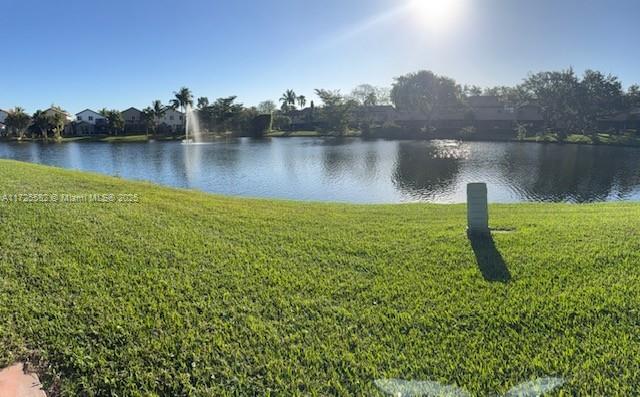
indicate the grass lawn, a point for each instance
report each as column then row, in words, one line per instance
column 185, row 293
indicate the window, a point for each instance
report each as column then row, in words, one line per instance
column 79, row 118
column 171, row 118
column 90, row 118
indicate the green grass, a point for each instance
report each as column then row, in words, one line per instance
column 185, row 293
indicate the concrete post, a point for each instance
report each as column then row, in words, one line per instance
column 477, row 210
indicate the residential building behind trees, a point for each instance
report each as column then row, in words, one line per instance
column 418, row 105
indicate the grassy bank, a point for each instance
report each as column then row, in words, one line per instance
column 184, row 293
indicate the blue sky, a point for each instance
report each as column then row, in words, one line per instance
column 116, row 54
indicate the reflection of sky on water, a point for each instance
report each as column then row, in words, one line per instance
column 354, row 170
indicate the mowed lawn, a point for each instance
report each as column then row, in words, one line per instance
column 186, row 293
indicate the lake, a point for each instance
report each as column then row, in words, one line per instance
column 360, row 171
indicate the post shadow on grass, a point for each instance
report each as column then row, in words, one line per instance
column 490, row 261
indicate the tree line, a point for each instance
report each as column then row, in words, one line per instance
column 568, row 103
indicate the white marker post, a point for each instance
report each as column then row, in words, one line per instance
column 477, row 209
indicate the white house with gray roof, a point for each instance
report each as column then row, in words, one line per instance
column 89, row 116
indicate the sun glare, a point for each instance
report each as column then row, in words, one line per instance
column 437, row 15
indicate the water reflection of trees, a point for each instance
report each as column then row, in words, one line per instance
column 426, row 171
column 576, row 173
column 355, row 158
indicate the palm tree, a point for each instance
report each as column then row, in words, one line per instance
column 57, row 124
column 152, row 114
column 302, row 101
column 203, row 102
column 41, row 122
column 183, row 99
column 288, row 100
column 149, row 120
column 17, row 121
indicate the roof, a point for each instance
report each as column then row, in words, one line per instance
column 89, row 110
column 530, row 113
column 445, row 114
column 633, row 114
column 494, row 114
column 132, row 108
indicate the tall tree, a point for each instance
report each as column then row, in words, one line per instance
column 224, row 111
column 302, row 101
column 152, row 114
column 558, row 95
column 288, row 100
column 203, row 102
column 336, row 110
column 507, row 95
column 266, row 107
column 115, row 120
column 58, row 121
column 17, row 121
column 40, row 123
column 182, row 98
column 368, row 95
column 149, row 119
column 426, row 93
column 632, row 97
column 471, row 90
column 601, row 96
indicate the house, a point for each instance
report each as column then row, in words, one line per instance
column 55, row 110
column 303, row 119
column 484, row 112
column 132, row 116
column 375, row 114
column 629, row 120
column 172, row 119
column 3, row 116
column 89, row 122
column 488, row 113
column 82, row 127
column 89, row 116
column 133, row 120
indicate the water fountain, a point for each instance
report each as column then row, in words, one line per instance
column 192, row 127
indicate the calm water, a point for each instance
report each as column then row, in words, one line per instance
column 354, row 170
